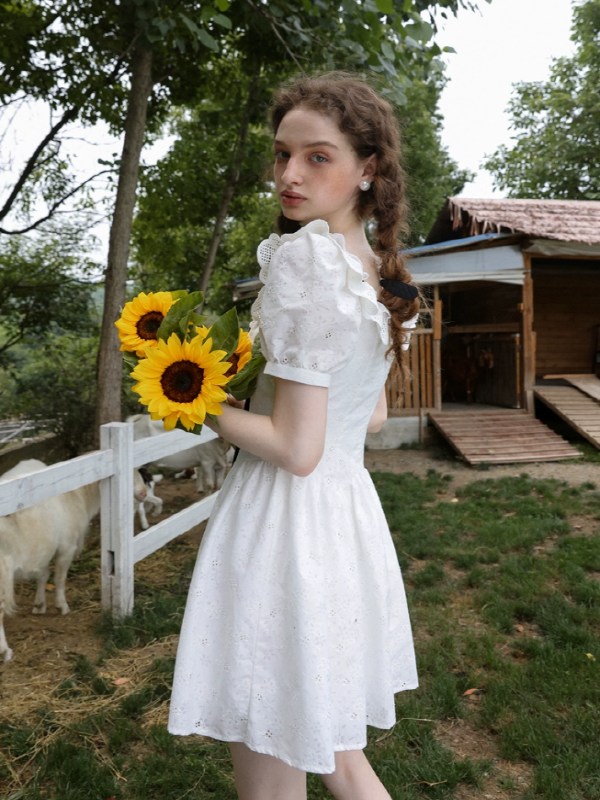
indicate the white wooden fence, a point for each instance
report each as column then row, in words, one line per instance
column 113, row 466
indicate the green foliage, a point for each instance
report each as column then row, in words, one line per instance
column 556, row 154
column 181, row 318
column 431, row 173
column 55, row 382
column 40, row 293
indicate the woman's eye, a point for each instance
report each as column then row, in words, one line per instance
column 319, row 159
column 281, row 154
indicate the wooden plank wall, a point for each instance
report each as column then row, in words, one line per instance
column 418, row 391
column 566, row 319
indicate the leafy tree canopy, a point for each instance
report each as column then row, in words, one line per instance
column 78, row 57
column 556, row 154
column 43, row 290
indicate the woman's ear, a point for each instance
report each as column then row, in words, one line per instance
column 369, row 168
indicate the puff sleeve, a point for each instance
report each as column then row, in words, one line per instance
column 309, row 318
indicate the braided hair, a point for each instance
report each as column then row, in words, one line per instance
column 370, row 124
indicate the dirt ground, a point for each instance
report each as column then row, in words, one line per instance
column 45, row 647
column 419, row 461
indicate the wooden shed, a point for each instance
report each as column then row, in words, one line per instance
column 514, row 290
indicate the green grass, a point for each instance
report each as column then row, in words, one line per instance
column 503, row 597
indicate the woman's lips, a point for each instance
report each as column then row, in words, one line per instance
column 292, row 199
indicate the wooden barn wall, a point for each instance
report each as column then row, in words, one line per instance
column 566, row 314
column 480, row 302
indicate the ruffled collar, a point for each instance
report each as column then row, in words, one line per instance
column 356, row 276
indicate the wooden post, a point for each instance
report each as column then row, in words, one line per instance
column 116, row 523
column 437, row 337
column 528, row 361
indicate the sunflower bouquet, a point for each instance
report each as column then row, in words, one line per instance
column 184, row 370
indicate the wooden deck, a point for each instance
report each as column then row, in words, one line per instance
column 501, row 437
column 580, row 410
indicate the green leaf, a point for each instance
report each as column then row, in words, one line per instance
column 178, row 294
column 225, row 333
column 243, row 384
column 177, row 312
column 190, row 24
column 224, row 22
column 207, row 40
column 222, row 5
column 131, row 360
column 385, row 6
column 197, row 429
column 214, row 418
column 387, row 51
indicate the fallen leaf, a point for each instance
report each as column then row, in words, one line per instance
column 454, row 500
column 50, row 586
column 120, row 681
column 591, row 656
column 470, row 691
column 520, row 628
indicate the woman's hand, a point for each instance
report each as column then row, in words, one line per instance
column 235, row 403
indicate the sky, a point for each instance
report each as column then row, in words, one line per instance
column 504, row 42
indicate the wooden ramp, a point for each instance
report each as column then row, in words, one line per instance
column 589, row 384
column 501, row 437
column 575, row 407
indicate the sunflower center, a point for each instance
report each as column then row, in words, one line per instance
column 182, row 381
column 148, row 325
column 233, row 360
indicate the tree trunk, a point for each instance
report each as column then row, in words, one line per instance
column 110, row 370
column 233, row 176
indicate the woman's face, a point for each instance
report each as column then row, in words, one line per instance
column 317, row 172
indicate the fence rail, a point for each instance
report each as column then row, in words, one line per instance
column 113, row 466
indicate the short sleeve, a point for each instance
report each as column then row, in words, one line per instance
column 309, row 319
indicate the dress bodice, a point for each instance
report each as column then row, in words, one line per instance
column 320, row 323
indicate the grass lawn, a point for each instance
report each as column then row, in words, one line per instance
column 504, row 589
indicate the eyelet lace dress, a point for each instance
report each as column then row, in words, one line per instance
column 296, row 633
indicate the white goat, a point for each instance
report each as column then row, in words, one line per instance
column 151, row 501
column 31, row 538
column 211, row 456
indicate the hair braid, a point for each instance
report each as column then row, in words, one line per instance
column 369, row 122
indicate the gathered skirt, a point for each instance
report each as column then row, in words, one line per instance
column 296, row 633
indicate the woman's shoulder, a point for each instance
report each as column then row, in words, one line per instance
column 314, row 237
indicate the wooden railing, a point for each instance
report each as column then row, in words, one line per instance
column 113, row 466
column 422, row 390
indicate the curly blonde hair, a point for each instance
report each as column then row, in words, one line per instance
column 370, row 124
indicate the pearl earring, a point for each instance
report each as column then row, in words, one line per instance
column 365, row 186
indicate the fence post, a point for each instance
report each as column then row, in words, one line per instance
column 116, row 524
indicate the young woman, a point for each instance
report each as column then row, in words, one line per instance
column 296, row 633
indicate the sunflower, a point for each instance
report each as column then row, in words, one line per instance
column 182, row 381
column 240, row 356
column 141, row 319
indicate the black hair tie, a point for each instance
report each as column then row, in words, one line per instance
column 400, row 289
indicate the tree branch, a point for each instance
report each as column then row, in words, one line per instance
column 277, row 34
column 68, row 116
column 56, row 205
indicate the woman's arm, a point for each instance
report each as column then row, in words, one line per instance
column 293, row 436
column 379, row 415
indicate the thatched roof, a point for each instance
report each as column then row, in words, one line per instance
column 563, row 220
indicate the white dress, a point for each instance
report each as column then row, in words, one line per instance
column 296, row 632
